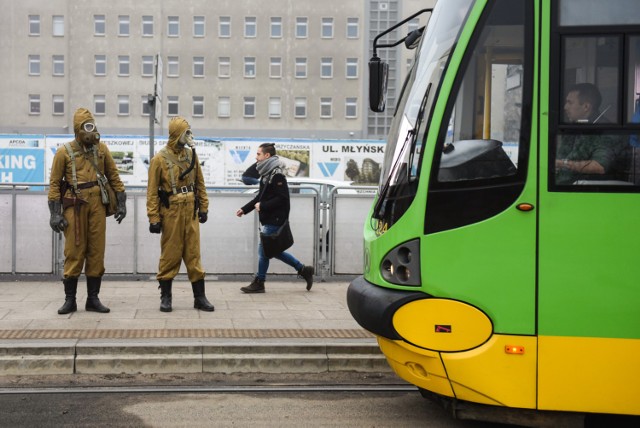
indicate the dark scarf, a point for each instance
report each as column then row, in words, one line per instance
column 268, row 165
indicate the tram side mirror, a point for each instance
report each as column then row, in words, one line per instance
column 413, row 38
column 378, row 75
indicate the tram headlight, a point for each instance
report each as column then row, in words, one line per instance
column 401, row 265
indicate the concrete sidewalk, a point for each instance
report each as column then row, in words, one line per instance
column 286, row 329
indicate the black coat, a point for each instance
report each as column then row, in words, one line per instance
column 274, row 200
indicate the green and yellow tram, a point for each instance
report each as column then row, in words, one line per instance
column 502, row 253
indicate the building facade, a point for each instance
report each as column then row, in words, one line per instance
column 283, row 68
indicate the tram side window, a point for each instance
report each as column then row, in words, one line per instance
column 633, row 107
column 483, row 137
column 591, row 146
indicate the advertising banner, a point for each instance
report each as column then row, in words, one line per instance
column 22, row 159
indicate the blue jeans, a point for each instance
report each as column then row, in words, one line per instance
column 263, row 261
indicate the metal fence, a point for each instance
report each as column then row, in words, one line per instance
column 327, row 228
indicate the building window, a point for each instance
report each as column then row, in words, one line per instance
column 173, row 66
column 99, row 25
column 173, row 26
column 249, row 67
column 250, row 27
column 123, row 26
column 198, row 26
column 352, row 68
column 99, row 105
column 326, row 107
column 249, row 107
column 100, row 65
column 413, row 25
column 34, row 65
column 224, row 27
column 123, row 105
column 198, row 106
column 224, row 67
column 198, row 66
column 300, row 107
column 275, row 67
column 351, row 108
column 147, row 26
column 301, row 28
column 145, row 105
column 327, row 28
column 326, row 68
column 123, row 65
column 353, row 28
column 34, row 25
column 172, row 106
column 301, row 68
column 58, row 65
column 58, row 25
column 224, row 106
column 34, row 104
column 275, row 107
column 58, row 104
column 276, row 27
column 147, row 66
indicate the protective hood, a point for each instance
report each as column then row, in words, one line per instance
column 177, row 126
column 79, row 117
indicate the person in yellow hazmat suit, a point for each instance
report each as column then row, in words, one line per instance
column 81, row 170
column 176, row 203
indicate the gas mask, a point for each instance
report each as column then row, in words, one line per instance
column 88, row 134
column 186, row 139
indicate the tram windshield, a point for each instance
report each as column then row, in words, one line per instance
column 398, row 181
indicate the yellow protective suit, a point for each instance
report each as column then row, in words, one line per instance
column 180, row 238
column 85, row 235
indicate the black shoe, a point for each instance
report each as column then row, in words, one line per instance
column 256, row 286
column 199, row 299
column 165, row 295
column 93, row 302
column 70, row 287
column 306, row 273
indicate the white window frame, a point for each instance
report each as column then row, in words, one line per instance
column 147, row 66
column 224, row 67
column 57, row 22
column 326, row 63
column 224, row 27
column 351, row 103
column 198, row 104
column 352, row 68
column 57, row 100
column 124, row 25
column 324, row 102
column 35, row 107
column 199, row 26
column 173, row 62
column 57, row 62
column 99, row 60
column 124, row 65
column 249, row 67
column 198, row 66
column 275, row 107
column 34, row 62
column 302, row 27
column 301, row 68
column 249, row 103
column 34, row 25
column 173, row 103
column 300, row 103
column 224, row 107
column 275, row 64
column 99, row 100
column 326, row 28
column 353, row 26
column 250, row 24
column 147, row 26
column 145, row 109
column 124, row 108
column 275, row 29
column 99, row 25
column 173, row 26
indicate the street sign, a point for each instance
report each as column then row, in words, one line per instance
column 159, row 69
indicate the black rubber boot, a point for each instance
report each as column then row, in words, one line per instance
column 93, row 289
column 256, row 286
column 70, row 288
column 306, row 273
column 165, row 295
column 199, row 299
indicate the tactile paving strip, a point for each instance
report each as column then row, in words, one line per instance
column 188, row 333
